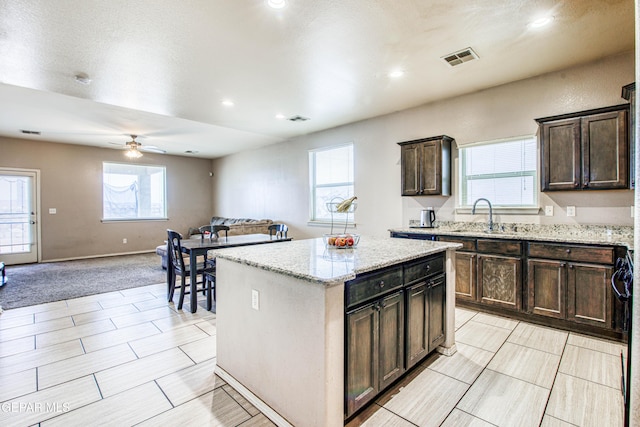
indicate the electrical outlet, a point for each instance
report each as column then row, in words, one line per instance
column 548, row 210
column 255, row 299
column 124, row 241
column 571, row 211
column 52, row 211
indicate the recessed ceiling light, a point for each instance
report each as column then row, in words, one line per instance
column 280, row 116
column 396, row 74
column 228, row 103
column 541, row 22
column 82, row 78
column 276, row 4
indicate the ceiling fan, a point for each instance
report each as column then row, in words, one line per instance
column 135, row 149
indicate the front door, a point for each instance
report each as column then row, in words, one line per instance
column 18, row 216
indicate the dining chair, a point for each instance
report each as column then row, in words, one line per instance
column 280, row 230
column 176, row 261
column 217, row 228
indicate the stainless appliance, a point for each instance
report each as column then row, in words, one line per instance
column 427, row 218
column 622, row 284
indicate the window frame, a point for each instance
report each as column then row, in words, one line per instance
column 338, row 218
column 532, row 209
column 162, row 217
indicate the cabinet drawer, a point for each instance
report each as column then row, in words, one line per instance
column 423, row 268
column 592, row 254
column 500, row 247
column 468, row 244
column 371, row 285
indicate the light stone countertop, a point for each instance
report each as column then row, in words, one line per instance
column 310, row 260
column 560, row 233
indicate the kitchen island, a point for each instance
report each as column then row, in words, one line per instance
column 281, row 320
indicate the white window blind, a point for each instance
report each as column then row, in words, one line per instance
column 330, row 176
column 502, row 171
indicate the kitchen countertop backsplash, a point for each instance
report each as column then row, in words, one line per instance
column 569, row 233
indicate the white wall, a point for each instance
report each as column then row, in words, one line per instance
column 272, row 182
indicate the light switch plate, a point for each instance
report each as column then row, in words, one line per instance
column 571, row 211
column 52, row 211
column 255, row 299
column 548, row 210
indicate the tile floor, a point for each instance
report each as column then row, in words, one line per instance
column 129, row 358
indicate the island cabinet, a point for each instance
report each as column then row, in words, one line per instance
column 585, row 150
column 426, row 166
column 425, row 308
column 571, row 282
column 394, row 318
column 375, row 335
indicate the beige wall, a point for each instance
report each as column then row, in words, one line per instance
column 71, row 182
column 273, row 182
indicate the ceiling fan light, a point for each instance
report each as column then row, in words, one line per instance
column 133, row 153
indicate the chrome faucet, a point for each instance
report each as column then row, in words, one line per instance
column 473, row 211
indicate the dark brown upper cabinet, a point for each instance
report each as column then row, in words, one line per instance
column 587, row 150
column 426, row 166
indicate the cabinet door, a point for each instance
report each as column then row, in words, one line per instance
column 560, row 157
column 391, row 338
column 500, row 281
column 605, row 150
column 411, row 178
column 547, row 288
column 437, row 312
column 589, row 294
column 362, row 357
column 466, row 276
column 431, row 165
column 417, row 323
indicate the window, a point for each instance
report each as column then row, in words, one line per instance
column 133, row 192
column 502, row 171
column 330, row 176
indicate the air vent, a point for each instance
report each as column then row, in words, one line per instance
column 30, row 132
column 298, row 119
column 460, row 57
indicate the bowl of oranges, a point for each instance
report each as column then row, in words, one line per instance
column 341, row 241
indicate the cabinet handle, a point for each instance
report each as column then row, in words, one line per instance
column 381, row 284
column 428, row 267
column 575, row 184
column 586, row 183
column 571, row 266
column 568, row 251
column 375, row 307
column 381, row 305
column 563, row 265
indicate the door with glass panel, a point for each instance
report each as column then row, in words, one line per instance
column 18, row 225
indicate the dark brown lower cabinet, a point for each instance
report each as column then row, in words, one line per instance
column 437, row 312
column 589, row 294
column 500, row 281
column 547, row 288
column 425, row 318
column 466, row 276
column 375, row 353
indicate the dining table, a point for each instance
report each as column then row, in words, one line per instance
column 196, row 247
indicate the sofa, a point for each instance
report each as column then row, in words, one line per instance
column 236, row 226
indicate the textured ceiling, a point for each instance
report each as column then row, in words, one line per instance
column 160, row 68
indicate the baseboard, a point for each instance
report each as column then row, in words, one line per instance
column 252, row 398
column 99, row 256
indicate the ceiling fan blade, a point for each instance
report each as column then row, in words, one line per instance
column 152, row 149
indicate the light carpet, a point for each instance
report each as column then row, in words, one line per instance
column 33, row 284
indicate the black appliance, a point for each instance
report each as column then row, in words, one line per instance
column 622, row 284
